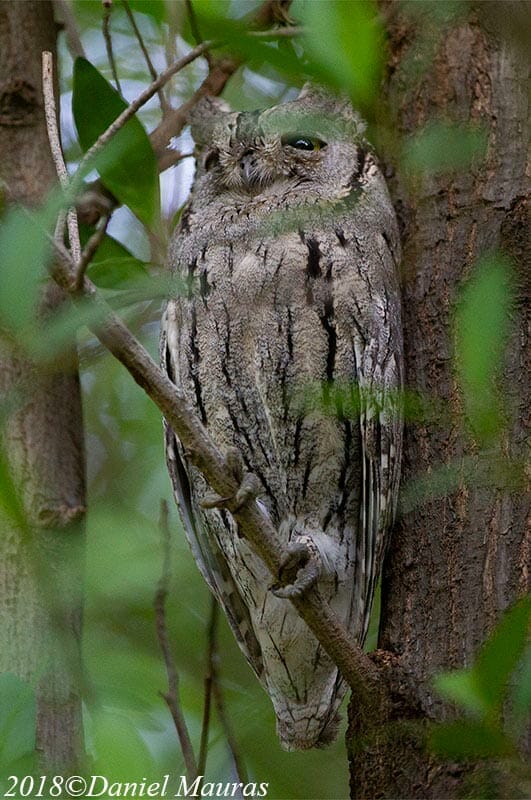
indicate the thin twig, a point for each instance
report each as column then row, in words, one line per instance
column 171, row 697
column 209, row 679
column 152, row 71
column 213, row 688
column 172, row 157
column 73, row 40
column 217, row 691
column 278, row 33
column 57, row 155
column 106, row 29
column 90, row 249
column 194, row 27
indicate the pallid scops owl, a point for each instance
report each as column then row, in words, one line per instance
column 287, row 342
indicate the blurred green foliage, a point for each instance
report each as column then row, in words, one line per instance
column 443, row 147
column 345, row 45
column 17, row 726
column 483, row 324
column 494, row 693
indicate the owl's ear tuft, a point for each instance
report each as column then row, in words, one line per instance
column 335, row 111
column 205, row 116
column 325, row 99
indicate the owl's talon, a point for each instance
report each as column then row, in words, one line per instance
column 300, row 569
column 249, row 488
column 213, row 500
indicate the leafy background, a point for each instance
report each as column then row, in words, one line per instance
column 129, row 731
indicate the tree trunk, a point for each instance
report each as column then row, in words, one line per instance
column 42, row 435
column 456, row 561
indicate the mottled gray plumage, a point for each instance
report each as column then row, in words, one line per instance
column 288, row 344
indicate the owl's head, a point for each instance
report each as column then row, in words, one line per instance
column 311, row 142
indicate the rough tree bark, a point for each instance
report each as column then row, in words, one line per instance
column 40, row 562
column 456, row 561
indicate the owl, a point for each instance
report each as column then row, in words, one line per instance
column 286, row 339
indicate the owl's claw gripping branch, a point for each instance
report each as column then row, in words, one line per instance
column 300, row 569
column 249, row 486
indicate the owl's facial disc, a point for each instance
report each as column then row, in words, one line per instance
column 263, row 159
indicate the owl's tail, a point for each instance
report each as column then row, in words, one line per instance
column 304, row 734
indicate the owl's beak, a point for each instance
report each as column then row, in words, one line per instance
column 248, row 169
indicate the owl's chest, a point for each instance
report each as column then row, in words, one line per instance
column 251, row 282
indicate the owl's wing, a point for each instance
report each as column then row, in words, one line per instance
column 379, row 375
column 205, row 550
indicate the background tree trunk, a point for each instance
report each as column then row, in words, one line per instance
column 456, row 561
column 41, row 561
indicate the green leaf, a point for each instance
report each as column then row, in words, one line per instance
column 521, row 695
column 113, row 265
column 442, row 147
column 256, row 52
column 122, row 273
column 26, row 250
column 482, row 329
column 17, row 719
column 464, row 740
column 127, row 164
column 121, row 753
column 461, row 687
column 345, row 43
column 10, row 498
column 501, row 654
column 156, row 9
column 483, row 688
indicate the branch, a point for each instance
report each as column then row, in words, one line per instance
column 171, row 697
column 106, row 30
column 288, row 32
column 213, row 687
column 57, row 154
column 162, row 99
column 73, row 40
column 220, row 72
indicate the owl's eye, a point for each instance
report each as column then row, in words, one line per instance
column 300, row 142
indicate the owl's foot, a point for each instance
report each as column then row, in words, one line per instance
column 250, row 486
column 300, row 569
